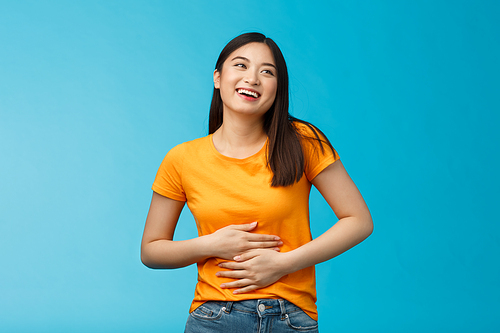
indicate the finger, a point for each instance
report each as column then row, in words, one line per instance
column 231, row 274
column 265, row 245
column 231, row 265
column 262, row 238
column 251, row 254
column 246, row 289
column 244, row 227
column 242, row 283
column 247, row 256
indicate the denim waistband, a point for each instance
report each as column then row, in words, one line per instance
column 262, row 307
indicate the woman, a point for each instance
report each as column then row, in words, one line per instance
column 247, row 184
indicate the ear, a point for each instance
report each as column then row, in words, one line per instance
column 216, row 79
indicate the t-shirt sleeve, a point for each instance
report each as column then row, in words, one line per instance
column 316, row 158
column 168, row 181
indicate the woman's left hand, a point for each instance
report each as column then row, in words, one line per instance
column 254, row 269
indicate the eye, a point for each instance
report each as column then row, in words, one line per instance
column 240, row 65
column 268, row 71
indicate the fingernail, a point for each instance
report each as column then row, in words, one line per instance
column 253, row 223
column 280, row 243
column 237, row 258
column 235, row 292
column 223, row 286
column 277, row 238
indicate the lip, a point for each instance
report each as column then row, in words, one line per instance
column 248, row 97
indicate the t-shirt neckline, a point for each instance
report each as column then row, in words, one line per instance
column 234, row 159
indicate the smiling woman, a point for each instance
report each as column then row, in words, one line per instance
column 247, row 82
column 250, row 199
column 247, row 86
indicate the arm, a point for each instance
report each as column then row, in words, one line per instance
column 159, row 250
column 260, row 268
column 354, row 224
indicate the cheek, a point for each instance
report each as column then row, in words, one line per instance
column 223, row 90
column 226, row 93
column 272, row 91
column 227, row 84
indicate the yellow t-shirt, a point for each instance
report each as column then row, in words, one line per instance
column 221, row 191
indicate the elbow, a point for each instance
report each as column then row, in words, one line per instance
column 369, row 230
column 149, row 263
column 151, row 259
column 368, row 226
column 145, row 258
column 364, row 226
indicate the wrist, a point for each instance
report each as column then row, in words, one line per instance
column 206, row 246
column 288, row 261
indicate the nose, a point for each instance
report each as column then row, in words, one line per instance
column 252, row 78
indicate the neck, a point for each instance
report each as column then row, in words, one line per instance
column 239, row 136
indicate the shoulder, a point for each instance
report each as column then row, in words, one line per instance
column 308, row 132
column 318, row 151
column 313, row 139
column 302, row 127
column 189, row 146
column 183, row 153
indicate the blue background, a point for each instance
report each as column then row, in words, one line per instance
column 94, row 93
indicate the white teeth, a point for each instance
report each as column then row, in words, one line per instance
column 248, row 92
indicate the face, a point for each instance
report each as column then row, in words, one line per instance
column 248, row 80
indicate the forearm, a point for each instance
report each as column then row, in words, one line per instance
column 345, row 234
column 165, row 253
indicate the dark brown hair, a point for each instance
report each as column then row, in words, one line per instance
column 285, row 156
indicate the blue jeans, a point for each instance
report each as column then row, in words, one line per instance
column 255, row 316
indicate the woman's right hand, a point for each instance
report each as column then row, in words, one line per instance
column 159, row 250
column 236, row 239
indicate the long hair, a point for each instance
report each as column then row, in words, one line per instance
column 285, row 156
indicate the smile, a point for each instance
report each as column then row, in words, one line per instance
column 249, row 93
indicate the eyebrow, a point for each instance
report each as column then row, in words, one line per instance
column 246, row 59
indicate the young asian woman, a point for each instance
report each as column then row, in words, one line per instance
column 247, row 185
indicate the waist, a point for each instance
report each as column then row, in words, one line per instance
column 298, row 288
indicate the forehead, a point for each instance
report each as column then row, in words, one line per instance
column 255, row 52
